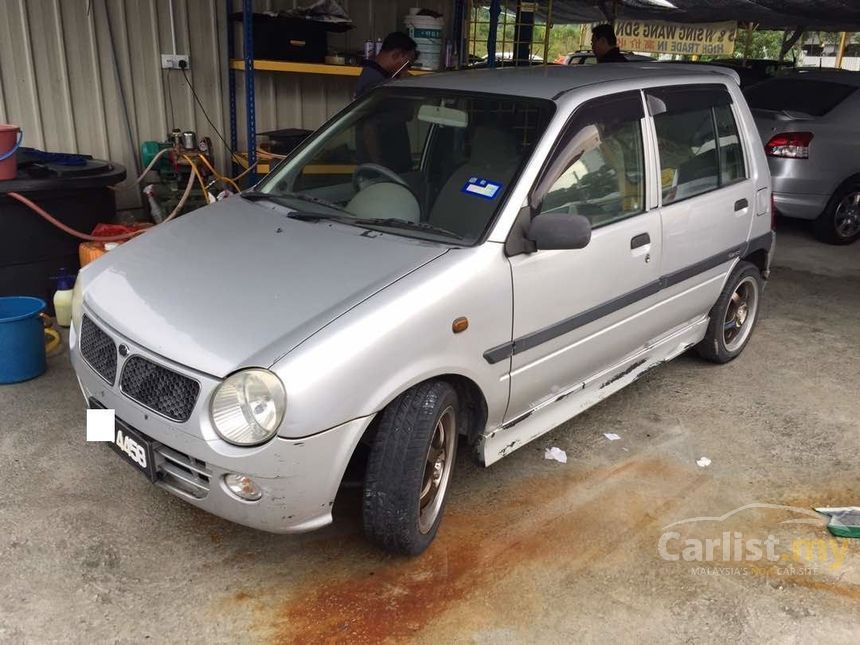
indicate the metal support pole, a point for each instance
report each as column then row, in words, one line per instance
column 231, row 84
column 495, row 10
column 458, row 40
column 748, row 44
column 546, row 32
column 840, row 52
column 250, row 111
column 523, row 34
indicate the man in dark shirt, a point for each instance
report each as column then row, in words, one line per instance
column 382, row 137
column 398, row 53
column 605, row 45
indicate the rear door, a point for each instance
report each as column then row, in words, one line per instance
column 579, row 311
column 707, row 197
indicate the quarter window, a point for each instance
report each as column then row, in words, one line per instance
column 599, row 171
column 732, row 166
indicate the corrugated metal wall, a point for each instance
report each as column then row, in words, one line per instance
column 85, row 75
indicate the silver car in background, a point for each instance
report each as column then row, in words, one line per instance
column 469, row 258
column 809, row 122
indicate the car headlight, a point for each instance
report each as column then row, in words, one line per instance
column 77, row 304
column 248, row 407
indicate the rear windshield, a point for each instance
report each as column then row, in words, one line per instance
column 815, row 98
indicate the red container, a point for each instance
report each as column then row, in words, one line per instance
column 10, row 139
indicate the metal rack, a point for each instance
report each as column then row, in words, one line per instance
column 512, row 30
column 250, row 107
column 249, row 65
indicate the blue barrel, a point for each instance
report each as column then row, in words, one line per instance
column 22, row 341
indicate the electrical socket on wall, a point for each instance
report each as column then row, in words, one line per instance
column 173, row 61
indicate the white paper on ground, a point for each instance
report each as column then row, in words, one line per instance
column 556, row 453
column 703, row 462
column 611, row 436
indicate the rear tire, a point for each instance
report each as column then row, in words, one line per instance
column 409, row 468
column 840, row 221
column 734, row 315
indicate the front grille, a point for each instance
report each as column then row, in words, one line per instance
column 98, row 350
column 179, row 472
column 159, row 389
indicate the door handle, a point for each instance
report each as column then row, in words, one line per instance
column 741, row 204
column 640, row 240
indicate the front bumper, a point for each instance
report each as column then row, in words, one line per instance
column 299, row 477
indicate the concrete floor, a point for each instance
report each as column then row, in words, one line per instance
column 530, row 550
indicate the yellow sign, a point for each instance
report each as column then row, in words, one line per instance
column 710, row 39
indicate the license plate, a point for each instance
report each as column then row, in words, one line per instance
column 135, row 448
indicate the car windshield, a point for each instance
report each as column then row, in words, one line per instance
column 812, row 97
column 419, row 163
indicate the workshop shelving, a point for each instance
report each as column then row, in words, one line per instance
column 249, row 66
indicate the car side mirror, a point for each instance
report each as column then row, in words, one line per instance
column 559, row 231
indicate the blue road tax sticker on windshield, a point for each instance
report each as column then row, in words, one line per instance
column 481, row 188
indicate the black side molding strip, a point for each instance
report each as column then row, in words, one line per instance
column 532, row 340
column 700, row 267
column 762, row 242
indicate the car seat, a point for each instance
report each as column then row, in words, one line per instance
column 495, row 158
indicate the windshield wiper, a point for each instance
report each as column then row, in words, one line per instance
column 313, row 216
column 393, row 222
column 283, row 198
column 286, row 199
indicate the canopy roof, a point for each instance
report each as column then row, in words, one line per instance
column 825, row 15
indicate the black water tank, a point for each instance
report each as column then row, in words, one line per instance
column 31, row 249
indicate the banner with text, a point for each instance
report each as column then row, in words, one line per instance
column 710, row 39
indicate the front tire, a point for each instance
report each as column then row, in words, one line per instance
column 734, row 315
column 840, row 221
column 409, row 468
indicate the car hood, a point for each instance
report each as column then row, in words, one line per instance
column 238, row 284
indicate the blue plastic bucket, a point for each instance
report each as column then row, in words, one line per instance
column 22, row 341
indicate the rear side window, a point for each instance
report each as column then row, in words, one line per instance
column 812, row 97
column 698, row 140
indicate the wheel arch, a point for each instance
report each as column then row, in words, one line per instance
column 851, row 179
column 759, row 259
column 473, row 406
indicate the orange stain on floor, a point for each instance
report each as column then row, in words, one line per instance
column 573, row 518
column 581, row 521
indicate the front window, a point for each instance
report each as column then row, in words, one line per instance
column 601, row 171
column 435, row 165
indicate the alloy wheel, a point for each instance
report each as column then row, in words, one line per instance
column 437, row 469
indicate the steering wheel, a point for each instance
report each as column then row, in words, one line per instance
column 359, row 180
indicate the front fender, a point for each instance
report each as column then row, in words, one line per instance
column 401, row 336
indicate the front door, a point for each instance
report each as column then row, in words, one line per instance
column 577, row 312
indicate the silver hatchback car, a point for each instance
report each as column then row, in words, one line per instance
column 809, row 121
column 468, row 258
